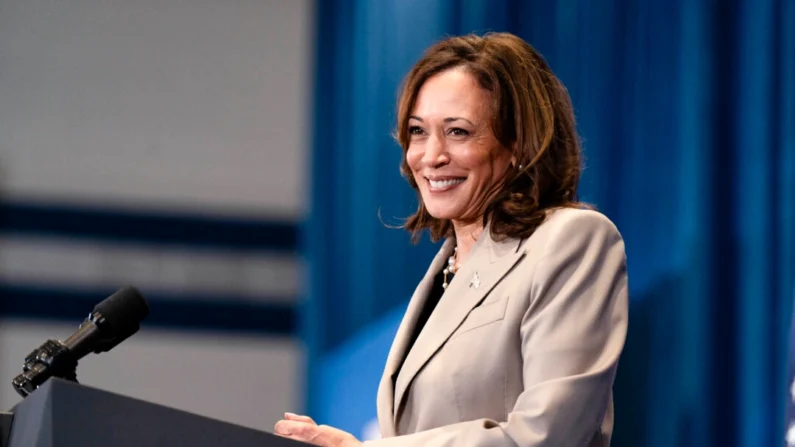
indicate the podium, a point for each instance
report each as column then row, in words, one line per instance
column 67, row 414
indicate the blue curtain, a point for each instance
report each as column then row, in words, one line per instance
column 687, row 112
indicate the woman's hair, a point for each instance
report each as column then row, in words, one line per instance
column 532, row 117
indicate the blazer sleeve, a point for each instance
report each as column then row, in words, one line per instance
column 572, row 334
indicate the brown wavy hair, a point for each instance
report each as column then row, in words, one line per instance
column 532, row 116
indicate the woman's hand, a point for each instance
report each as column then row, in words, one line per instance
column 304, row 429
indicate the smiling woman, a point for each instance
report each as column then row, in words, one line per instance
column 514, row 334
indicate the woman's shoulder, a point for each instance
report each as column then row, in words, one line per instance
column 578, row 217
column 574, row 226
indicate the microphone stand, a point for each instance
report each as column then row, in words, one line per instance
column 52, row 356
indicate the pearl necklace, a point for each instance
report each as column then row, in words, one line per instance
column 450, row 269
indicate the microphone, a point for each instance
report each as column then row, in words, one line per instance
column 113, row 320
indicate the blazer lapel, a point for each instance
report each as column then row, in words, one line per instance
column 489, row 262
column 398, row 350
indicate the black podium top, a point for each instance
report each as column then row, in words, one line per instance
column 66, row 414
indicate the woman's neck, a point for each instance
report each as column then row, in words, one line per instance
column 466, row 235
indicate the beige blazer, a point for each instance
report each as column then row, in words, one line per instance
column 522, row 348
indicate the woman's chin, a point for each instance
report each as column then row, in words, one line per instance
column 443, row 212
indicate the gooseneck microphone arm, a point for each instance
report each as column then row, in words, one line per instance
column 112, row 321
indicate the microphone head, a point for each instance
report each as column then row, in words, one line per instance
column 123, row 312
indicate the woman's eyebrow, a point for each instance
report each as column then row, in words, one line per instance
column 449, row 119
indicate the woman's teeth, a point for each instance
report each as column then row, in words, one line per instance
column 441, row 184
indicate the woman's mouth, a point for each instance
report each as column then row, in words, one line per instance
column 444, row 184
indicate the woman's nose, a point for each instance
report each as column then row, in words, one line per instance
column 435, row 152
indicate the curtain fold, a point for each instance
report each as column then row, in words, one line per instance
column 686, row 109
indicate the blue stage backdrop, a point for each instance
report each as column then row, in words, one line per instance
column 686, row 109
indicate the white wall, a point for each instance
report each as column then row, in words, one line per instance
column 193, row 104
column 159, row 106
column 61, row 263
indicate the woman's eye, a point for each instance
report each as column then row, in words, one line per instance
column 459, row 132
column 415, row 130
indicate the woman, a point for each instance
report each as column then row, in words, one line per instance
column 513, row 336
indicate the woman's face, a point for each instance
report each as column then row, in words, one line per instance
column 453, row 154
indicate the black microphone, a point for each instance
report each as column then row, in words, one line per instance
column 113, row 320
